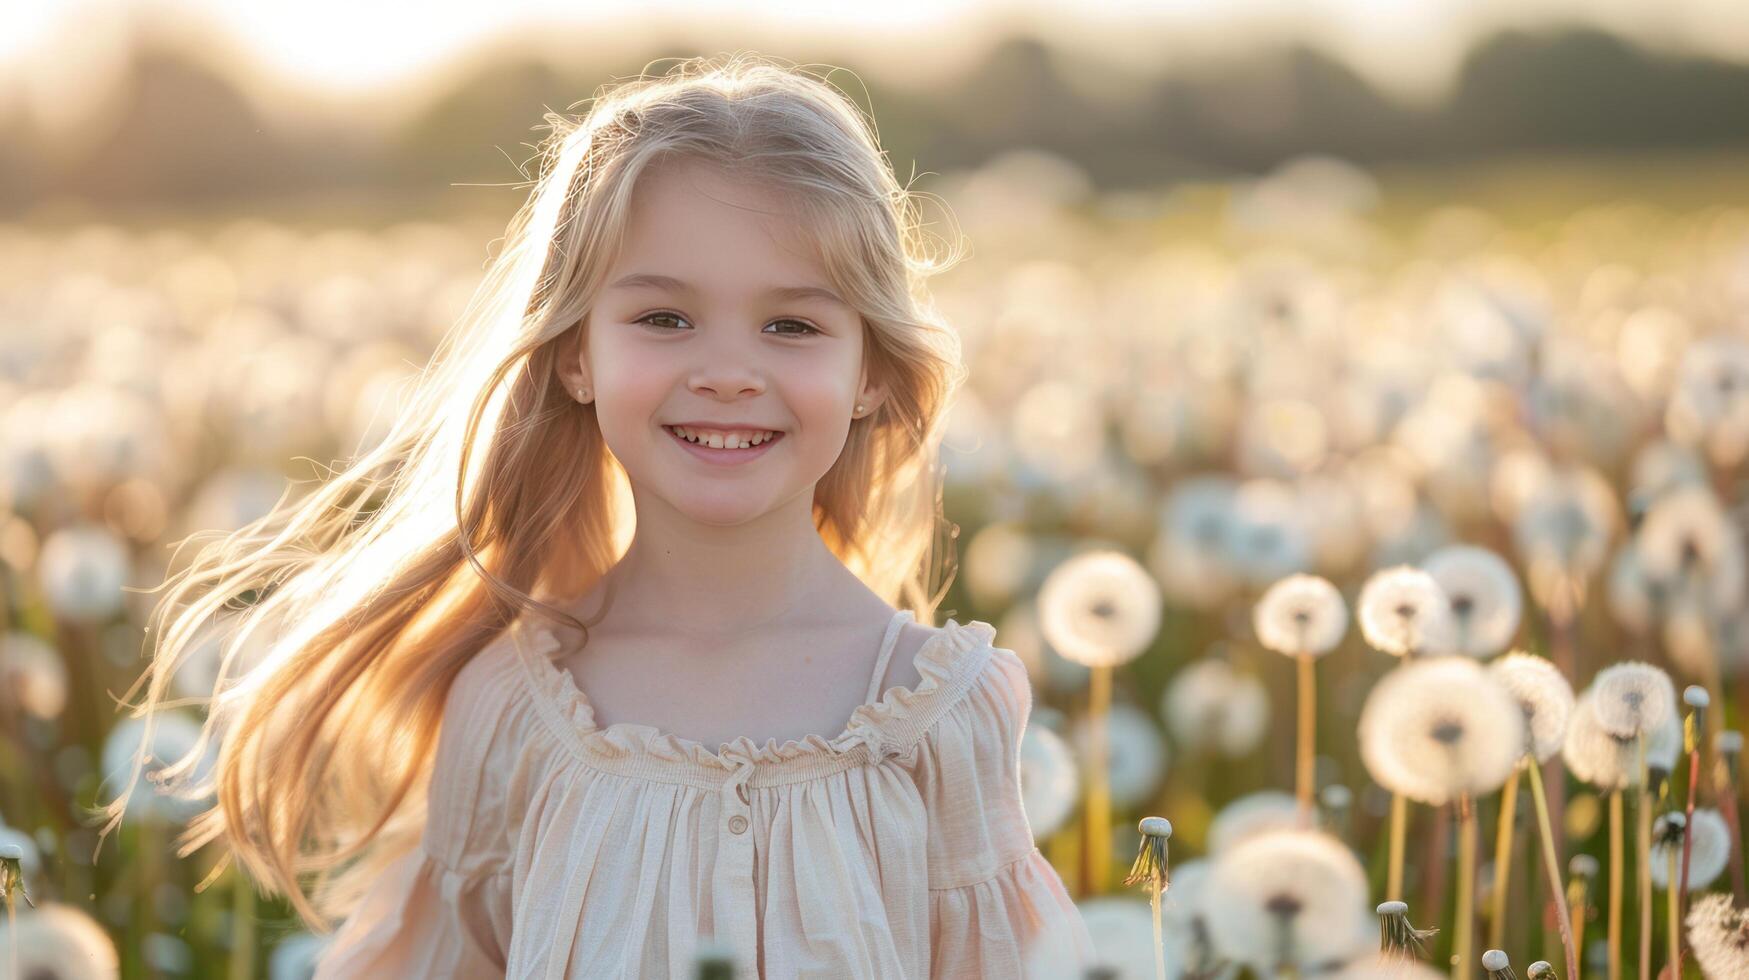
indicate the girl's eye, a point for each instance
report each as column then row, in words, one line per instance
column 807, row 328
column 657, row 316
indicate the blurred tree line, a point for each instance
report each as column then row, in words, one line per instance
column 185, row 135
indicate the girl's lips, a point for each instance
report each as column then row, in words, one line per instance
column 724, row 457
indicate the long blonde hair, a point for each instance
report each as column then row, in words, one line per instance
column 346, row 615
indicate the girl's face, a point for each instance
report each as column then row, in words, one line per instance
column 716, row 314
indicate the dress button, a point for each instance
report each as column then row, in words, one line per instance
column 737, row 824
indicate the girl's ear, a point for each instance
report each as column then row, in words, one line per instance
column 871, row 398
column 573, row 366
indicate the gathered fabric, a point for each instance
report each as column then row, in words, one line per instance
column 554, row 847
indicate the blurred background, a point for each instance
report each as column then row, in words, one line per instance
column 1255, row 288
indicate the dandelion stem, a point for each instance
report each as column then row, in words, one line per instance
column 1159, row 938
column 1615, row 859
column 1463, row 938
column 1643, row 863
column 1673, row 904
column 1394, row 877
column 1308, row 733
column 1503, row 862
column 1552, row 868
column 12, row 932
column 1679, row 897
column 1096, row 859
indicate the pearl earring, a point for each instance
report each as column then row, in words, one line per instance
column 859, row 409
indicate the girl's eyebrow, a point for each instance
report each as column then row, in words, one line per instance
column 651, row 280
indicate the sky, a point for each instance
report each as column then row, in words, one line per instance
column 335, row 48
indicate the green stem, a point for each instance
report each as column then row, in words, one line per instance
column 1674, row 905
column 1503, row 862
column 1394, row 878
column 1615, row 860
column 1643, row 865
column 1308, row 733
column 1552, row 868
column 1465, row 913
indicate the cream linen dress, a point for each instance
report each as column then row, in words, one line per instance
column 554, row 847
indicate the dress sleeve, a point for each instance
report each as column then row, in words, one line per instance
column 997, row 907
column 443, row 909
column 424, row 919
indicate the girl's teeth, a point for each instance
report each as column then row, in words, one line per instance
column 716, row 441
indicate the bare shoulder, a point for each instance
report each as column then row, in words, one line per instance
column 902, row 668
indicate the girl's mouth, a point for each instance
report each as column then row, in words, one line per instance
column 723, row 457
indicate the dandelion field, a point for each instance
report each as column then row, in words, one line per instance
column 1316, row 505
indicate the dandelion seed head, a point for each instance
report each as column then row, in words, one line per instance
column 1687, row 542
column 1122, row 930
column 1382, row 966
column 1485, row 600
column 1192, row 550
column 1403, row 611
column 1438, row 728
column 1250, row 815
column 33, row 678
column 1664, row 745
column 1544, row 695
column 1718, row 934
column 1565, row 527
column 1099, row 609
column 1708, row 856
column 82, row 569
column 296, row 955
column 1301, row 614
column 1049, row 779
column 1300, row 893
column 59, row 940
column 1209, row 704
column 174, row 736
column 1269, row 537
column 1608, row 761
column 1729, row 742
column 1708, row 406
column 1135, row 753
column 1633, row 698
column 1633, row 597
column 1184, row 925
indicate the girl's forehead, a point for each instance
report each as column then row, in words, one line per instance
column 691, row 222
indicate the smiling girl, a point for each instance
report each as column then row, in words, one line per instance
column 671, row 484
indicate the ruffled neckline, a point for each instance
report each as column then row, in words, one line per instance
column 886, row 724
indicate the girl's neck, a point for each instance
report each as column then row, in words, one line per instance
column 706, row 600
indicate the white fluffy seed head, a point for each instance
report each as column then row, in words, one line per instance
column 1386, row 966
column 1608, row 761
column 1438, row 728
column 1301, row 614
column 1250, row 815
column 1718, row 933
column 1590, row 751
column 1211, row 706
column 1486, row 603
column 1633, row 698
column 1495, row 960
column 1294, row 893
column 1544, row 695
column 1709, row 854
column 1688, row 542
column 1403, row 612
column 1099, row 608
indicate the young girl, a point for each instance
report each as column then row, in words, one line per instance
column 712, row 304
